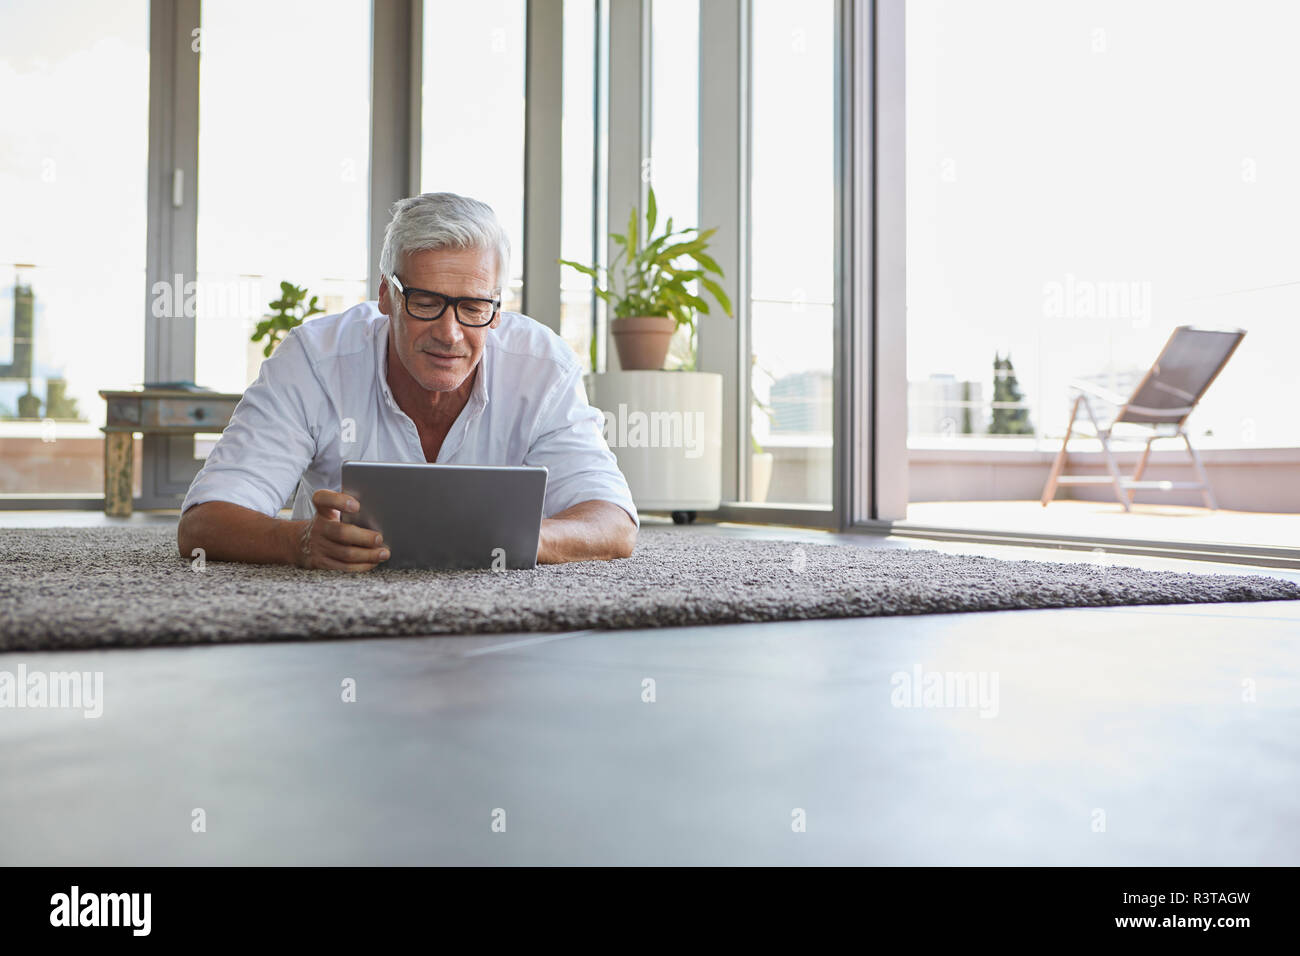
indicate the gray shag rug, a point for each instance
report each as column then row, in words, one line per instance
column 128, row 586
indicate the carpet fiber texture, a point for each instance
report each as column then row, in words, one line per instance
column 127, row 586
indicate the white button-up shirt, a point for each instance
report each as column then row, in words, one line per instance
column 323, row 398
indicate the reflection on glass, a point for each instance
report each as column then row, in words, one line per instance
column 472, row 139
column 74, row 81
column 283, row 171
column 792, row 252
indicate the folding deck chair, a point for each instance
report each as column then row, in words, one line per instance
column 1167, row 394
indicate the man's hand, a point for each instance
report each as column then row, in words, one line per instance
column 326, row 542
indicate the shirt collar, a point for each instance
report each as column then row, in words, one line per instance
column 479, row 395
column 381, row 362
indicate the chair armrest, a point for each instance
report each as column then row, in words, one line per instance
column 1104, row 394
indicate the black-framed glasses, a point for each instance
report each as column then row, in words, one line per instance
column 426, row 305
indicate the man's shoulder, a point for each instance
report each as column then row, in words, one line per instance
column 521, row 340
column 351, row 332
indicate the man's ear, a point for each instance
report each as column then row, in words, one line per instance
column 385, row 301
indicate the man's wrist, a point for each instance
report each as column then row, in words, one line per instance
column 293, row 533
column 543, row 543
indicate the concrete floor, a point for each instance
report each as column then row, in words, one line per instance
column 1131, row 719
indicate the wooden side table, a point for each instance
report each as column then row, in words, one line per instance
column 153, row 411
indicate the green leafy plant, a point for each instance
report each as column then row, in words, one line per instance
column 291, row 309
column 1010, row 417
column 652, row 278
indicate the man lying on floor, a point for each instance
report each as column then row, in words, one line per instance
column 433, row 371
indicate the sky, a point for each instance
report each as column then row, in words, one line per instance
column 1096, row 145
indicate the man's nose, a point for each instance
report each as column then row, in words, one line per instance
column 446, row 330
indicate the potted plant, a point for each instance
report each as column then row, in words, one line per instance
column 647, row 286
column 291, row 310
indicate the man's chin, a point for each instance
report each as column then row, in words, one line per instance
column 432, row 384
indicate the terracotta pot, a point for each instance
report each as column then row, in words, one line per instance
column 642, row 341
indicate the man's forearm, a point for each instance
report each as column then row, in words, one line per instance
column 229, row 532
column 590, row 531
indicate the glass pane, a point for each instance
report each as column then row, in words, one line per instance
column 283, row 170
column 74, row 81
column 474, row 93
column 674, row 168
column 578, row 171
column 792, row 274
column 1146, row 193
column 675, row 110
column 791, row 403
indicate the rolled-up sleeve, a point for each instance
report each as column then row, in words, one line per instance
column 570, row 442
column 269, row 442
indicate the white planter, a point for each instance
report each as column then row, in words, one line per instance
column 665, row 429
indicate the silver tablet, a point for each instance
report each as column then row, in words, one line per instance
column 449, row 516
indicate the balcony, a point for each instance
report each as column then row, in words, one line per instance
column 994, row 484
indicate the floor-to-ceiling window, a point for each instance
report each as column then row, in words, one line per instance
column 74, row 84
column 283, row 184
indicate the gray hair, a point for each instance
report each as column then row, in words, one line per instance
column 443, row 221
